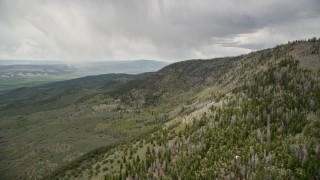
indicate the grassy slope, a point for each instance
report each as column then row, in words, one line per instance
column 43, row 129
column 263, row 122
column 47, row 126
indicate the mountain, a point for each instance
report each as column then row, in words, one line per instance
column 248, row 117
column 25, row 75
column 29, row 62
column 131, row 67
column 15, row 74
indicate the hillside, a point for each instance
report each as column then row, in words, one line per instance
column 243, row 116
column 48, row 126
column 56, row 95
column 50, row 122
column 257, row 119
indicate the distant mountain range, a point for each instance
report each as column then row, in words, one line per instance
column 29, row 62
column 14, row 74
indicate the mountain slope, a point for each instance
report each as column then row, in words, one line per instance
column 258, row 132
column 50, row 125
column 58, row 94
column 258, row 119
column 188, row 112
column 43, row 129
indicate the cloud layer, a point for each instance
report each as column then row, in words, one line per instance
column 173, row 30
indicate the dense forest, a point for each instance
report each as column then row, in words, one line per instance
column 256, row 119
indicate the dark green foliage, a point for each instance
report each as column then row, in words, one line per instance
column 262, row 124
column 268, row 136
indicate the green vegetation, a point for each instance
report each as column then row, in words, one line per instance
column 254, row 116
column 263, row 131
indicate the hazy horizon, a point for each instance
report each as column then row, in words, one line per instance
column 53, row 62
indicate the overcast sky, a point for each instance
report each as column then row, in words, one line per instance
column 172, row 30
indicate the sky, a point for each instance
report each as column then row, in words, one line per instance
column 169, row 30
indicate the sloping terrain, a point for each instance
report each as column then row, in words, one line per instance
column 243, row 116
column 58, row 94
column 49, row 124
column 45, row 127
column 259, row 118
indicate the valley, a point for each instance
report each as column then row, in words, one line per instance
column 163, row 89
column 247, row 116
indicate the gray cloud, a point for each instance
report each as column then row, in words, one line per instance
column 81, row 30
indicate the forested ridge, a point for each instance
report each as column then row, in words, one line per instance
column 263, row 122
